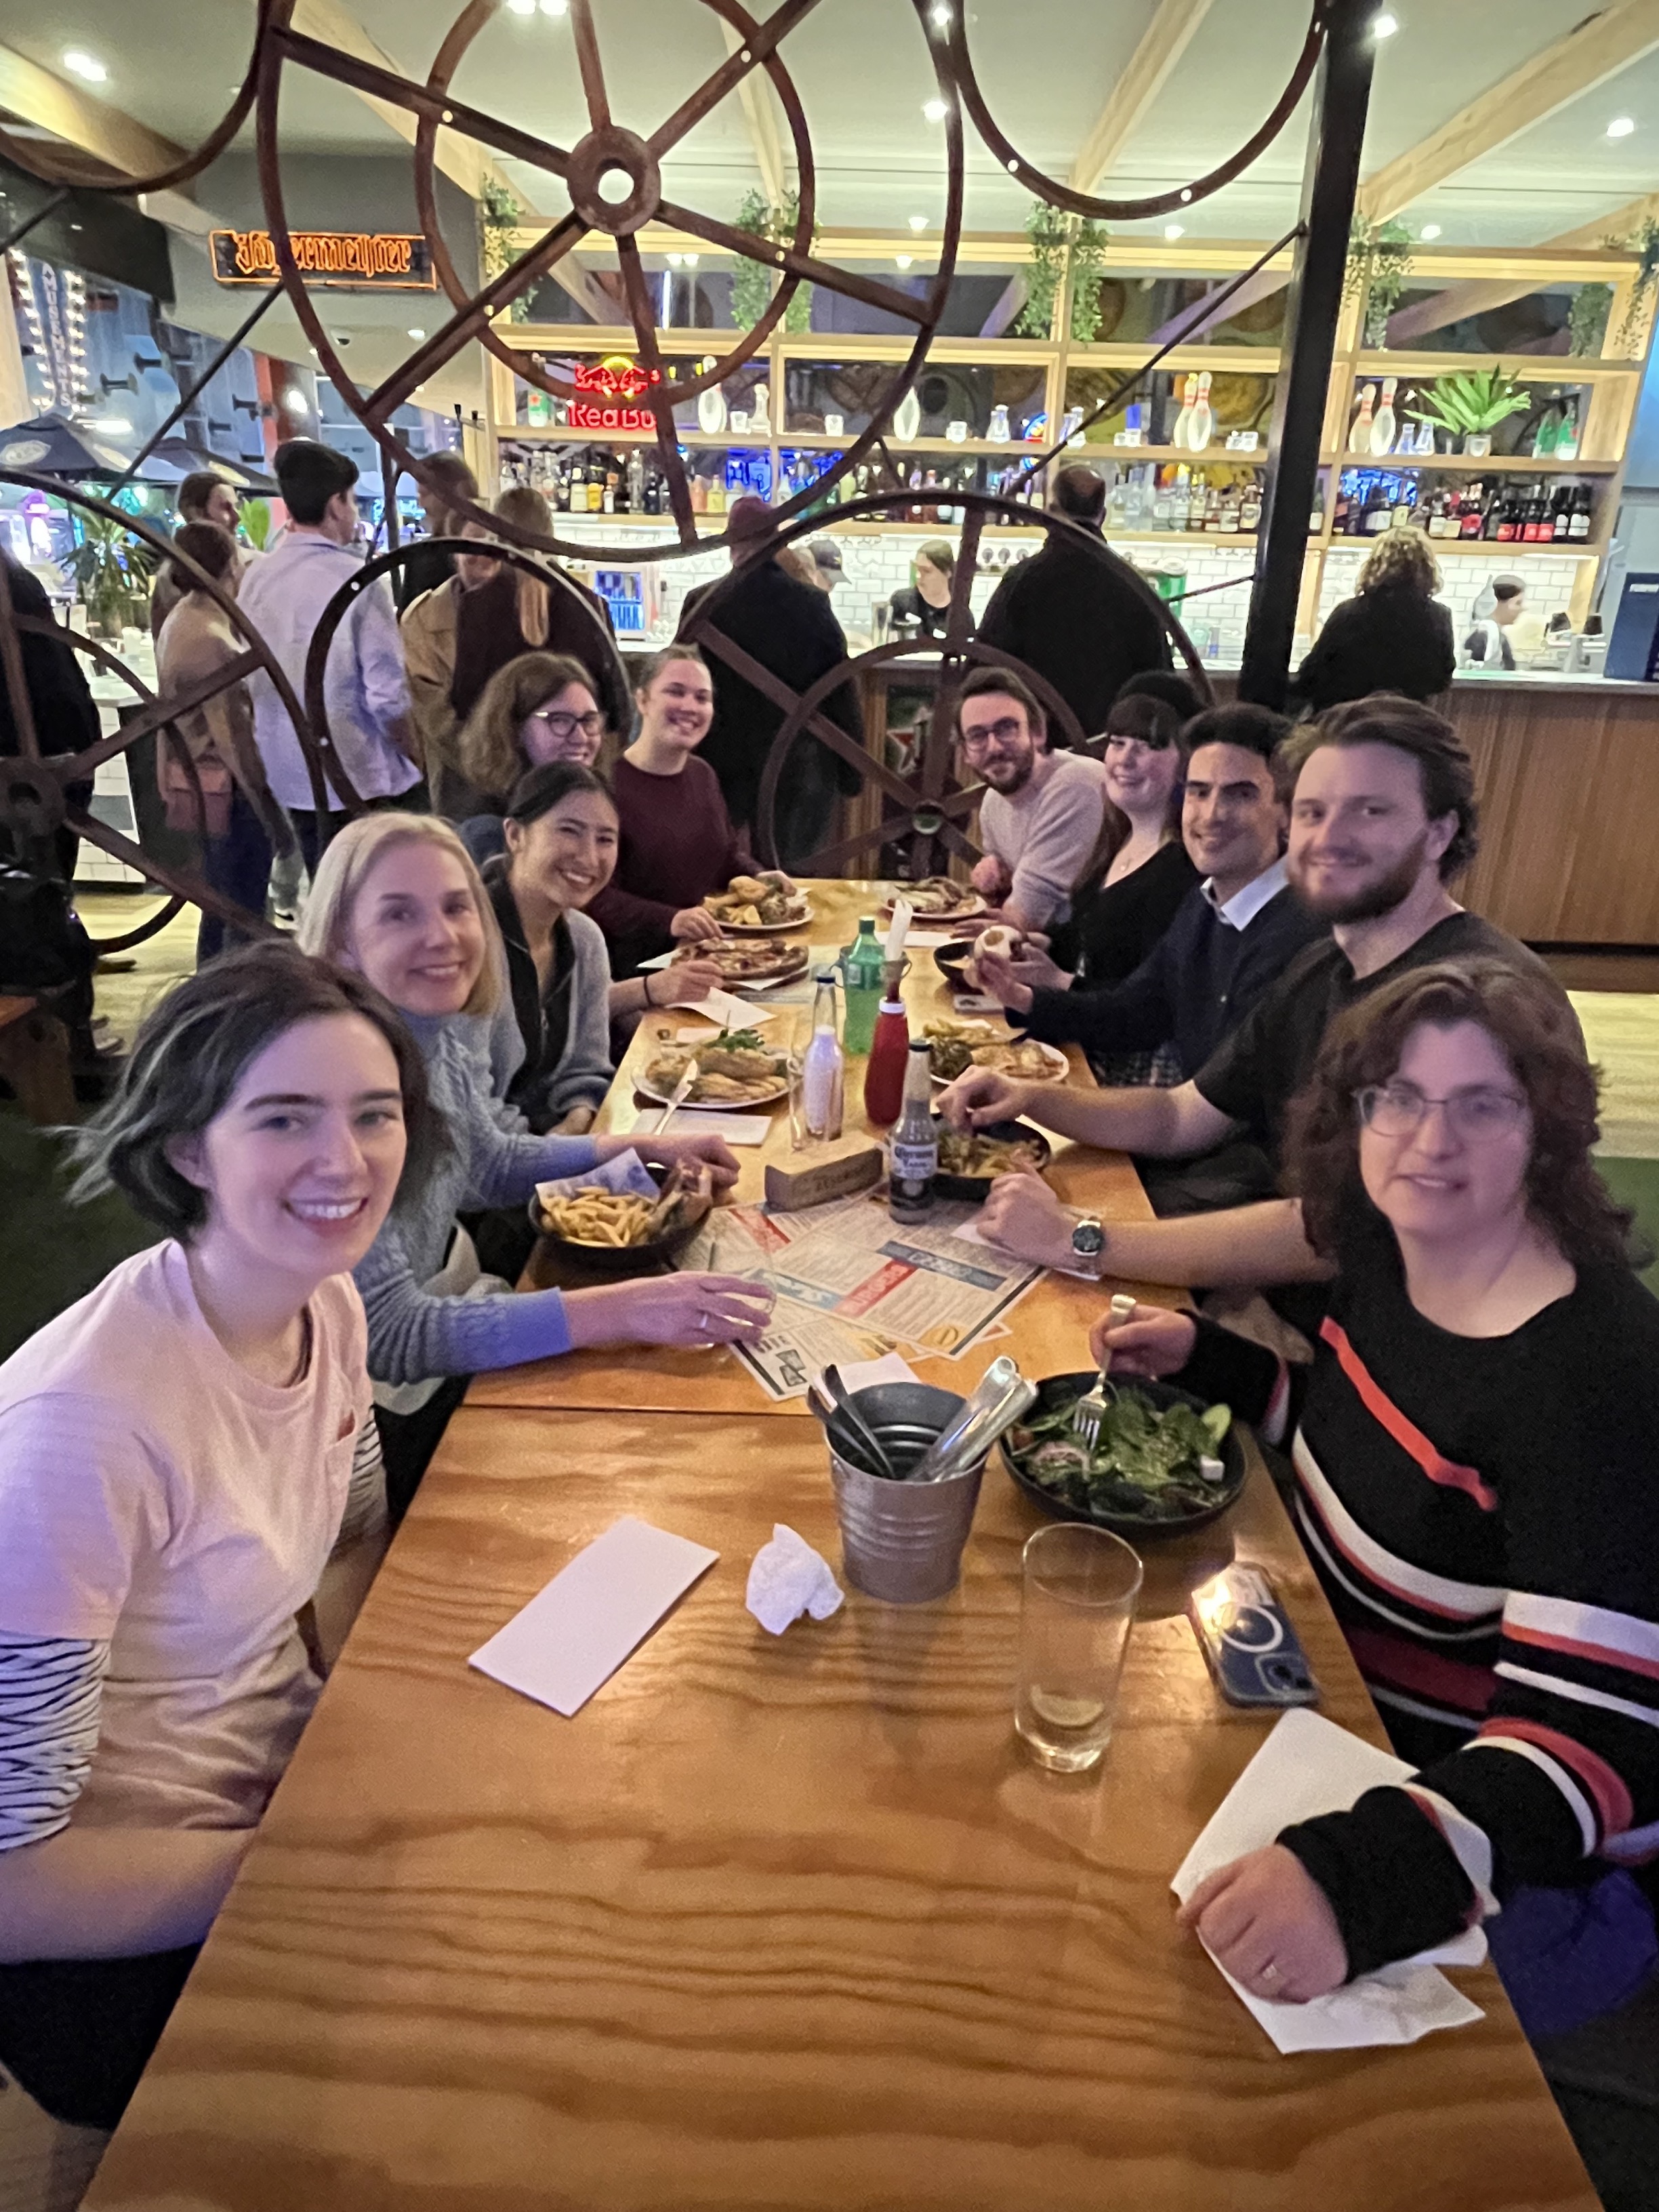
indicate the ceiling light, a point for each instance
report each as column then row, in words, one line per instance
column 918, row 222
column 85, row 65
column 1621, row 126
column 903, row 260
column 1384, row 26
column 415, row 334
column 1174, row 230
column 554, row 7
column 936, row 110
column 941, row 18
column 522, row 7
column 1430, row 230
column 677, row 260
column 296, row 403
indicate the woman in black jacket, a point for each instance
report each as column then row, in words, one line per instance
column 1393, row 635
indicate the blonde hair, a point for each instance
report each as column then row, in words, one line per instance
column 524, row 507
column 1402, row 556
column 324, row 928
column 492, row 751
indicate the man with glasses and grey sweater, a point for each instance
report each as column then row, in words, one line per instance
column 1039, row 819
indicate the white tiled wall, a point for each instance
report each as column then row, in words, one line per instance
column 1548, row 576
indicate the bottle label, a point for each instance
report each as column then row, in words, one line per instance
column 915, row 1163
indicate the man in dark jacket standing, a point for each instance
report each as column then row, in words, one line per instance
column 1066, row 614
column 790, row 630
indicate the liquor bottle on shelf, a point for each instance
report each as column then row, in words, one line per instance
column 1382, row 428
column 1579, row 523
column 1548, row 431
column 1404, row 502
column 1249, row 504
column 1492, row 521
column 1566, row 438
column 636, row 482
column 1470, row 520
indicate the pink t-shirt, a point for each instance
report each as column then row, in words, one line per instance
column 156, row 1496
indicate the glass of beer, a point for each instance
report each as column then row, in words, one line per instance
column 1077, row 1607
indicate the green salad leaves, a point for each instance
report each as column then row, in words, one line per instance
column 1147, row 1461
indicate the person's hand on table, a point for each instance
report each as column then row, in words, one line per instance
column 712, row 1152
column 1269, row 1923
column 981, row 1096
column 1022, row 1216
column 691, row 979
column 693, row 925
column 1153, row 1341
column 990, row 878
column 691, row 1311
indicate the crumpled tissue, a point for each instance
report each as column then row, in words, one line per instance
column 789, row 1579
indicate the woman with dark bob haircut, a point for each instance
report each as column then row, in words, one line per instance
column 188, row 1460
column 1473, row 1453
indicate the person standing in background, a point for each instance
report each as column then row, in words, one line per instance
column 790, row 629
column 1067, row 614
column 1041, row 817
column 365, row 689
column 427, row 627
column 429, row 566
column 826, row 566
column 1487, row 645
column 1393, row 635
column 205, row 496
column 927, row 601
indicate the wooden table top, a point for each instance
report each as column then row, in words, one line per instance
column 1049, row 1325
column 773, row 1922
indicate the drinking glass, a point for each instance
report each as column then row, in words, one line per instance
column 1077, row 1607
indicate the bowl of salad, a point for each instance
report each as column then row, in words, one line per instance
column 1165, row 1464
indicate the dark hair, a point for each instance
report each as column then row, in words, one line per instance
column 308, row 475
column 1139, row 715
column 1253, row 729
column 450, row 474
column 548, row 786
column 189, row 1056
column 491, row 752
column 1161, row 684
column 198, row 489
column 1528, row 1016
column 1508, row 587
column 1078, row 492
column 206, row 544
column 1383, row 718
column 1011, row 687
column 1155, row 722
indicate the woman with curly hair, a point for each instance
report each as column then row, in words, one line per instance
column 1393, row 635
column 540, row 708
column 1474, row 1458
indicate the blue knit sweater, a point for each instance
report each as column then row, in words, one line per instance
column 413, row 1335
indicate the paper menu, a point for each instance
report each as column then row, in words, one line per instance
column 579, row 1629
column 1309, row 1765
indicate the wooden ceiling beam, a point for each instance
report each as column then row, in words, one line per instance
column 762, row 122
column 1481, row 296
column 1162, row 43
column 81, row 119
column 1548, row 81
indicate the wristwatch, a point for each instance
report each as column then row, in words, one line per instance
column 1089, row 1242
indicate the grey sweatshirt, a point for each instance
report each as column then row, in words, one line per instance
column 412, row 1335
column 1044, row 835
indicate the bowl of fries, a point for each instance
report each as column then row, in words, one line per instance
column 971, row 1160
column 621, row 1233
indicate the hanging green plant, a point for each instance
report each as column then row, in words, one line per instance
column 1644, row 243
column 499, row 217
column 1088, row 258
column 1587, row 319
column 752, row 280
column 1379, row 262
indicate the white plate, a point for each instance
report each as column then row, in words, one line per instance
column 710, row 1105
column 764, row 977
column 930, row 918
column 799, row 920
column 1058, row 1068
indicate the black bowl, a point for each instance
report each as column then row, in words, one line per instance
column 951, row 959
column 620, row 1260
column 1055, row 1390
column 978, row 1189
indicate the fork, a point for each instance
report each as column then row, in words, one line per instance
column 1090, row 1411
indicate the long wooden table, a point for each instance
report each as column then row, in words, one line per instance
column 1050, row 1326
column 771, row 1924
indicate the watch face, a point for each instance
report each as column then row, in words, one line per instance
column 1088, row 1238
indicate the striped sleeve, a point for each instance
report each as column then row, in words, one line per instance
column 50, row 1692
column 365, row 1504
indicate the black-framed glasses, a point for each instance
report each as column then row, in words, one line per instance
column 564, row 727
column 1007, row 732
column 1479, row 1114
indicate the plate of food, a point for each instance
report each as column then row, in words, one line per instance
column 1164, row 1462
column 758, row 906
column 959, row 1045
column 735, row 1068
column 623, row 1232
column 971, row 1160
column 747, row 960
column 934, row 898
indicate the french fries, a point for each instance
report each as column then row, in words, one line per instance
column 610, row 1218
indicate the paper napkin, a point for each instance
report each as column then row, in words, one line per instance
column 721, row 1006
column 1309, row 1765
column 576, row 1633
column 788, row 1578
column 735, row 1128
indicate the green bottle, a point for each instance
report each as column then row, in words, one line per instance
column 860, row 968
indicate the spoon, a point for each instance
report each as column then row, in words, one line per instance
column 862, row 1434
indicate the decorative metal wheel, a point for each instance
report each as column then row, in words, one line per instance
column 929, row 806
column 607, row 151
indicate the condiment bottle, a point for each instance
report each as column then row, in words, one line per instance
column 914, row 1162
column 883, row 1076
column 823, row 1066
column 860, row 970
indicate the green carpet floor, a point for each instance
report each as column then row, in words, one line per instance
column 1635, row 1184
column 50, row 1252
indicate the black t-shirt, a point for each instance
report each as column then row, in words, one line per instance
column 1268, row 1058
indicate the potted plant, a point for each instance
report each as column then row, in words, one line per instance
column 114, row 572
column 1470, row 407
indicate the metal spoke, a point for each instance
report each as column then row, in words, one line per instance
column 761, row 42
column 815, row 724
column 936, row 754
column 171, row 879
column 160, row 713
column 587, row 60
column 658, row 393
column 804, row 265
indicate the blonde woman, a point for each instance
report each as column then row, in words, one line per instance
column 515, row 612
column 398, row 899
column 1393, row 635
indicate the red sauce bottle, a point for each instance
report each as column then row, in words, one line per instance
column 883, row 1074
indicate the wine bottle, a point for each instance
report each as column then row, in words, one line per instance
column 1566, row 438
column 1578, row 528
column 1549, row 429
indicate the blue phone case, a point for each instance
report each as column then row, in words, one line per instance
column 1248, row 1641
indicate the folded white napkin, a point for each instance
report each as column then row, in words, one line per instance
column 1309, row 1765
column 789, row 1579
column 721, row 1006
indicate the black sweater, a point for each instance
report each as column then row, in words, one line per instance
column 1114, row 926
column 1068, row 616
column 1393, row 639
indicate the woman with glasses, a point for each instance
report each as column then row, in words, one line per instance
column 677, row 843
column 540, row 708
column 1474, row 1458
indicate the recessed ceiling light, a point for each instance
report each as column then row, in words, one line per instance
column 1621, row 126
column 903, row 260
column 1174, row 230
column 296, row 403
column 676, row 260
column 1430, row 230
column 941, row 18
column 935, row 110
column 554, row 7
column 1384, row 26
column 416, row 334
column 522, row 7
column 85, row 65
column 918, row 222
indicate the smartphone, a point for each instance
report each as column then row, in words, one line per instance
column 1248, row 1641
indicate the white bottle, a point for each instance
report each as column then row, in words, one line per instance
column 824, row 1064
column 1382, row 428
column 1201, row 422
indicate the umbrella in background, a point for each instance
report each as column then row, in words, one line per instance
column 56, row 448
column 187, row 457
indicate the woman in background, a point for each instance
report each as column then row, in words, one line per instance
column 927, row 600
column 1393, row 635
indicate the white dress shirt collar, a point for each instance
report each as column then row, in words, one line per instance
column 1243, row 907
